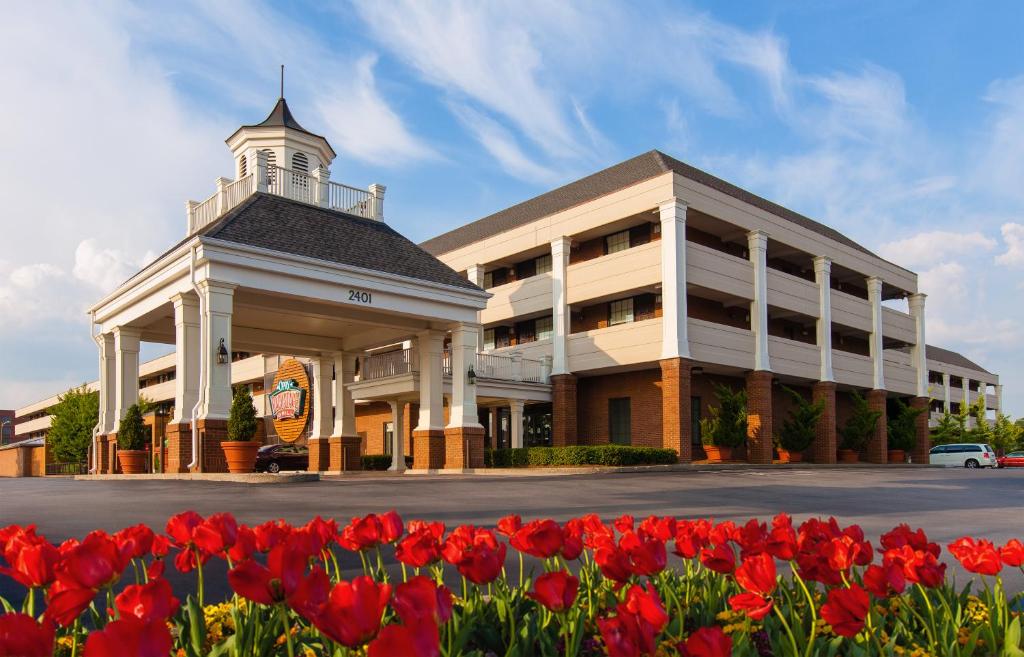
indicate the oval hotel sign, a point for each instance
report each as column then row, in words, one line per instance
column 289, row 400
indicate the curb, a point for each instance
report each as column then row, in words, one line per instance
column 251, row 478
column 679, row 467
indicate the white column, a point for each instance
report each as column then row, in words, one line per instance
column 398, row 437
column 222, row 194
column 516, row 421
column 108, row 382
column 463, row 406
column 475, row 274
column 187, row 346
column 757, row 242
column 999, row 399
column 323, row 186
column 946, row 390
column 492, row 417
column 560, row 248
column 219, row 304
column 674, row 340
column 875, row 341
column 918, row 354
column 430, row 346
column 377, row 191
column 966, row 383
column 323, row 398
column 823, row 277
column 126, row 371
column 345, row 405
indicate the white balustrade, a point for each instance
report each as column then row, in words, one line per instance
column 351, row 200
column 391, row 363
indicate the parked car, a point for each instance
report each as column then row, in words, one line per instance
column 274, row 458
column 964, row 455
column 1011, row 460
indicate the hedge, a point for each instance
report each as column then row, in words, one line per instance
column 376, row 462
column 524, row 457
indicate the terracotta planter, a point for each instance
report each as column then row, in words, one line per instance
column 848, row 456
column 718, row 454
column 786, row 456
column 240, row 455
column 897, row 456
column 133, row 461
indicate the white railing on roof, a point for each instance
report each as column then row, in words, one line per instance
column 351, row 200
column 202, row 214
column 390, row 363
column 296, row 185
column 238, row 191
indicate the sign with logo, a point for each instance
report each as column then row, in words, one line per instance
column 289, row 400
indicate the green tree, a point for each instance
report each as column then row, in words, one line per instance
column 948, row 430
column 131, row 430
column 727, row 424
column 71, row 424
column 242, row 419
column 800, row 426
column 1006, row 435
column 901, row 426
column 860, row 425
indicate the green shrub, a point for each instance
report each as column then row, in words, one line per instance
column 799, row 428
column 727, row 426
column 376, row 462
column 71, row 424
column 574, row 455
column 131, row 431
column 901, row 426
column 858, row 429
column 242, row 419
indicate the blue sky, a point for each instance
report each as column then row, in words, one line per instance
column 900, row 123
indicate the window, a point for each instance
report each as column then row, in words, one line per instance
column 695, row 437
column 544, row 264
column 542, row 327
column 488, row 339
column 488, row 280
column 300, row 162
column 620, row 312
column 619, row 420
column 616, row 242
column 389, row 437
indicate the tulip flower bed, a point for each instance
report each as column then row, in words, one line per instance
column 660, row 586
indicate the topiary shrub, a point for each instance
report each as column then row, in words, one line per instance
column 798, row 429
column 727, row 426
column 902, row 426
column 576, row 455
column 861, row 424
column 376, row 462
column 242, row 419
column 131, row 432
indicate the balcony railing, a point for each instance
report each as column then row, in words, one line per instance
column 487, row 366
column 391, row 363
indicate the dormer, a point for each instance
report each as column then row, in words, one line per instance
column 288, row 145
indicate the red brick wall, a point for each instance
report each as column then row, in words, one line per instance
column 370, row 419
column 877, row 448
column 644, row 390
column 564, row 410
column 675, row 407
column 760, row 420
column 923, row 442
column 823, row 450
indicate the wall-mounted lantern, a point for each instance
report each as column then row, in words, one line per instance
column 222, row 353
column 471, row 376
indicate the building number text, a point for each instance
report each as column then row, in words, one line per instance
column 360, row 297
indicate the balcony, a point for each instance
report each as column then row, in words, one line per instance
column 898, row 325
column 851, row 311
column 715, row 270
column 518, row 298
column 794, row 358
column 634, row 268
column 622, row 344
column 853, row 369
column 503, row 367
column 792, row 293
column 711, row 342
column 900, row 376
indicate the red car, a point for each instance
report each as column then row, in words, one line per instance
column 1011, row 460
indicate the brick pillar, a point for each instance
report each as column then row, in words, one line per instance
column 346, row 453
column 211, row 433
column 759, row 416
column 103, row 458
column 675, row 407
column 428, row 449
column 823, row 450
column 459, row 439
column 923, row 442
column 179, row 447
column 111, row 466
column 319, row 454
column 877, row 450
column 563, row 410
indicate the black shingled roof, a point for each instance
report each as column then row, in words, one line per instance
column 642, row 167
column 281, row 117
column 951, row 358
column 279, row 224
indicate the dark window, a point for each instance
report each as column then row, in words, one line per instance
column 537, row 425
column 695, row 420
column 938, row 449
column 526, row 269
column 389, row 437
column 501, row 337
column 971, row 448
column 525, row 332
column 619, row 420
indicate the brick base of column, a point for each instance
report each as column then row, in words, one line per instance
column 877, row 449
column 102, row 457
column 676, row 428
column 923, row 436
column 428, row 449
column 563, row 410
column 823, row 449
column 179, row 447
column 759, row 417
column 111, row 465
column 346, row 453
column 319, row 454
column 460, row 440
column 211, row 433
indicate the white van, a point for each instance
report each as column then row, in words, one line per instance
column 963, row 455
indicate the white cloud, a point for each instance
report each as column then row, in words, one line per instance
column 1013, row 237
column 105, row 268
column 925, row 249
column 502, row 145
column 860, row 105
column 999, row 165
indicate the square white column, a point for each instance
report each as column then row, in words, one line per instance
column 475, row 274
column 126, row 371
column 966, row 386
column 108, row 382
column 323, row 397
column 918, row 355
column 946, row 390
column 675, row 342
column 463, row 408
column 345, row 405
column 431, row 345
column 823, row 278
column 757, row 242
column 187, row 348
column 560, row 249
column 875, row 341
column 398, row 437
column 516, row 421
column 218, row 308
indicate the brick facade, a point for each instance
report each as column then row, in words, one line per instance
column 428, row 449
column 676, row 427
column 923, row 441
column 823, row 449
column 211, row 433
column 345, row 453
column 319, row 454
column 102, row 458
column 457, row 440
column 643, row 388
column 111, row 465
column 179, row 447
column 563, row 410
column 877, row 450
column 759, row 417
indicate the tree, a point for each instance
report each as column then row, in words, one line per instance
column 131, row 430
column 72, row 421
column 800, row 427
column 948, row 430
column 1006, row 435
column 242, row 419
column 860, row 425
column 727, row 426
column 902, row 427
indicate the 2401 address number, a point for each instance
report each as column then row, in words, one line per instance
column 360, row 296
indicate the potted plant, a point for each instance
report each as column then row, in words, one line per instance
column 902, row 431
column 239, row 447
column 726, row 429
column 858, row 429
column 131, row 441
column 799, row 429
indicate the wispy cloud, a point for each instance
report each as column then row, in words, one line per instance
column 502, row 145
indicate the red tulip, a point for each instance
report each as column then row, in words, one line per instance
column 781, row 541
column 130, row 636
column 419, row 599
column 613, row 563
column 22, row 636
column 753, row 604
column 752, row 537
column 418, row 549
column 707, row 642
column 979, row 557
column 33, row 560
column 621, row 637
column 270, row 534
column 151, row 601
column 663, row 528
column 691, row 536
column 1012, row 553
column 572, row 548
column 757, row 574
column 245, row 545
column 539, row 538
column 918, row 566
column 325, row 531
column 353, row 612
column 555, row 590
column 885, row 580
column 647, row 556
column 623, row 523
column 902, row 535
column 634, row 629
column 595, row 532
column 282, row 579
column 846, row 610
column 719, row 558
column 216, row 535
column 392, row 527
column 842, row 552
column 66, row 603
column 419, row 640
column 510, row 524
column 181, row 529
column 647, row 605
column 362, row 534
column 135, row 542
column 475, row 552
column 723, row 532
